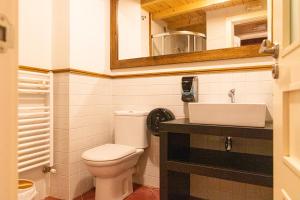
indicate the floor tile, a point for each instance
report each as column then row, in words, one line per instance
column 139, row 193
column 51, row 198
column 144, row 193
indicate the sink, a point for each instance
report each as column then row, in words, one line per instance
column 252, row 115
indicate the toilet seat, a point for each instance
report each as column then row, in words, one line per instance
column 108, row 152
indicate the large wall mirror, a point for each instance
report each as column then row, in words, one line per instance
column 157, row 32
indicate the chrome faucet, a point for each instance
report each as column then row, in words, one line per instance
column 228, row 143
column 231, row 94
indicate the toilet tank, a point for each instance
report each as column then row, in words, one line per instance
column 130, row 128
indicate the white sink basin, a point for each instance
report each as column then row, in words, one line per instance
column 253, row 115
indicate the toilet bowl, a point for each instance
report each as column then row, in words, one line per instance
column 113, row 165
column 113, row 173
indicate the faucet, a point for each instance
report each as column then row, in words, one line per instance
column 228, row 143
column 231, row 94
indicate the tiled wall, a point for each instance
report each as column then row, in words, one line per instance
column 83, row 119
column 149, row 93
column 90, row 125
column 59, row 182
column 82, row 110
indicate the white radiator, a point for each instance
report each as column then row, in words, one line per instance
column 35, row 120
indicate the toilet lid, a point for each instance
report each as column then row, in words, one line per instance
column 108, row 152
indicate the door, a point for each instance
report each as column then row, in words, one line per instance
column 8, row 99
column 286, row 32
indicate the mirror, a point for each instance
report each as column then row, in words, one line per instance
column 162, row 28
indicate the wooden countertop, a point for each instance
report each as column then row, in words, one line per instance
column 184, row 126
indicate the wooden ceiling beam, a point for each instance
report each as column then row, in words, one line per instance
column 187, row 22
column 146, row 3
column 191, row 7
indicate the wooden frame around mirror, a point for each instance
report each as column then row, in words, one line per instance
column 208, row 55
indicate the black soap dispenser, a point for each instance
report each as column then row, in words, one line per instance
column 189, row 89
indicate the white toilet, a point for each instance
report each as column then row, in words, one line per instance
column 114, row 164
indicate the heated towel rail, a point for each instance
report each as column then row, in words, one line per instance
column 35, row 120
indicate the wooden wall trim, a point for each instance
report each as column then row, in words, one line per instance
column 152, row 74
column 81, row 72
column 34, row 69
column 249, row 51
column 114, row 44
column 197, row 71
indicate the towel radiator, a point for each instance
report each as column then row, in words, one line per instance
column 35, row 120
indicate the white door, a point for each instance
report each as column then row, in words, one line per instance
column 8, row 99
column 286, row 32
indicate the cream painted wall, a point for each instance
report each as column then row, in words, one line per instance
column 35, row 33
column 81, row 35
column 64, row 33
column 60, row 34
column 89, row 35
column 216, row 25
column 133, row 31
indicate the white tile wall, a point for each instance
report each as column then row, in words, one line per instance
column 149, row 93
column 59, row 182
column 90, row 125
column 82, row 112
column 83, row 117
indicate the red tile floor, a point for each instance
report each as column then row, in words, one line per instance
column 139, row 193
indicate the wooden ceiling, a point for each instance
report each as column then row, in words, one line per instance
column 253, row 27
column 179, row 13
column 185, row 20
column 162, row 9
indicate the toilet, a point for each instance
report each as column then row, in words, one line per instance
column 114, row 164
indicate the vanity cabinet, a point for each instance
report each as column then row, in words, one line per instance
column 178, row 159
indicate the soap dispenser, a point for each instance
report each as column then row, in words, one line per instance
column 189, row 89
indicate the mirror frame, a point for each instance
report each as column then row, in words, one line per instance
column 249, row 51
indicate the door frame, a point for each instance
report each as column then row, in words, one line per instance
column 8, row 105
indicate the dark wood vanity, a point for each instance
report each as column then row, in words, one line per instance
column 178, row 159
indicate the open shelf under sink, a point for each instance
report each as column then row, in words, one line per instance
column 241, row 167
